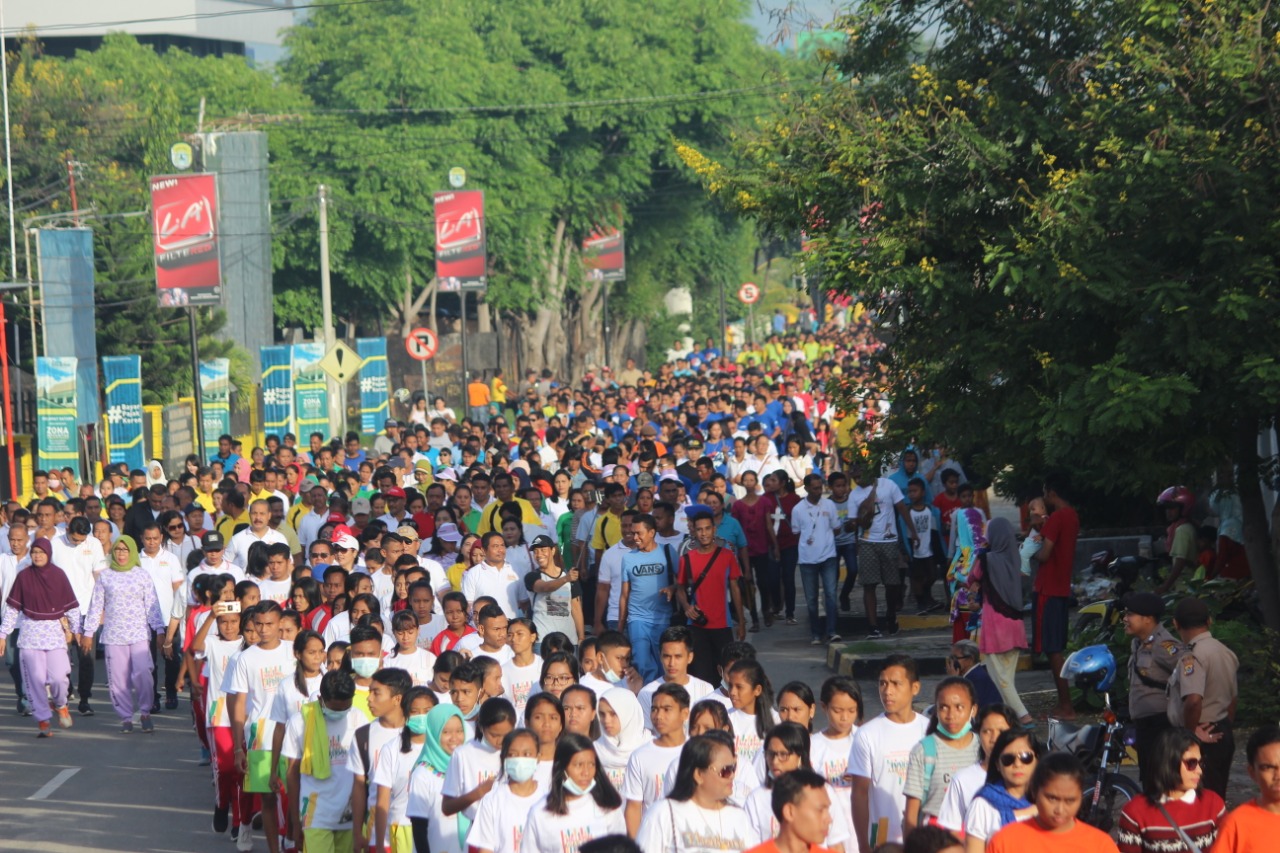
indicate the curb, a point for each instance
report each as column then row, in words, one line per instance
column 843, row 661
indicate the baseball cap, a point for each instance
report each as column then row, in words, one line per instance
column 648, row 431
column 644, row 480
column 391, row 423
column 337, row 518
column 395, row 492
column 213, row 541
column 408, row 531
column 447, row 473
column 542, row 541
column 361, row 506
column 694, row 444
column 1144, row 604
column 449, row 532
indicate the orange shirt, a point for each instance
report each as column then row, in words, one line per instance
column 771, row 846
column 477, row 394
column 1248, row 829
column 1029, row 835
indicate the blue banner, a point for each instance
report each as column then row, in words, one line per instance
column 215, row 400
column 277, row 390
column 374, row 399
column 57, row 433
column 123, row 375
column 310, row 390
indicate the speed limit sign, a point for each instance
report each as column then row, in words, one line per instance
column 748, row 293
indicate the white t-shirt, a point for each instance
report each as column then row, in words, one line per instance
column 520, row 682
column 961, row 790
column 697, row 688
column 645, row 780
column 502, row 583
column 420, row 664
column 288, row 701
column 983, row 821
column 551, row 833
column 747, row 741
column 384, row 587
column 759, row 813
column 277, row 591
column 258, row 673
column 881, row 749
column 472, row 764
column 379, row 736
column 426, row 801
column 219, row 657
column 815, row 525
column 611, row 573
column 392, row 771
column 501, row 818
column 673, row 827
column 884, row 523
column 325, row 801
column 238, row 547
column 830, row 759
column 165, row 571
column 599, row 686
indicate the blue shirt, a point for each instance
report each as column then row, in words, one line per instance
column 648, row 574
column 731, row 532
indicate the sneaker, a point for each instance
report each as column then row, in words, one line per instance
column 235, row 831
column 205, row 759
column 791, row 620
column 834, row 638
column 26, row 707
column 221, row 818
column 244, row 841
column 126, row 728
column 45, row 731
column 815, row 642
column 874, row 634
column 85, row 709
column 64, row 717
column 148, row 727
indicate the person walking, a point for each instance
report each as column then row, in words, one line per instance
column 1053, row 586
column 125, row 605
column 1202, row 692
column 644, row 607
column 704, row 574
column 815, row 521
column 1003, row 636
column 43, row 597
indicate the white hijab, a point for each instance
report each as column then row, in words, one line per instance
column 614, row 752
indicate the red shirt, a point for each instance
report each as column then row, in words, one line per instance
column 946, row 505
column 446, row 639
column 1054, row 577
column 713, row 593
column 787, row 537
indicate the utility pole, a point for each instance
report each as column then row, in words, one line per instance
column 195, row 381
column 462, row 327
column 13, row 268
column 326, row 306
column 724, row 325
column 71, row 177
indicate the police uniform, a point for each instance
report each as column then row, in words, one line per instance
column 1208, row 669
column 1151, row 663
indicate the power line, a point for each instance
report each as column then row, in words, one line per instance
column 258, row 10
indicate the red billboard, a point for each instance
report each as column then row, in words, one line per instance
column 184, row 214
column 604, row 255
column 460, row 239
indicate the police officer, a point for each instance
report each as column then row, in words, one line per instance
column 1152, row 660
column 1202, row 692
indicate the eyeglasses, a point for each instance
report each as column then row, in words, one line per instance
column 559, row 679
column 1024, row 758
column 780, row 755
column 1192, row 764
column 726, row 772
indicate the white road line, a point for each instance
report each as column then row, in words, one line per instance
column 54, row 784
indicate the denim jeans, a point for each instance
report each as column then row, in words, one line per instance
column 828, row 571
column 848, row 553
column 646, row 647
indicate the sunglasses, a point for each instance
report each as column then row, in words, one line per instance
column 727, row 771
column 1024, row 758
column 175, row 527
column 1192, row 764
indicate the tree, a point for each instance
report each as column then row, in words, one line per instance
column 1065, row 218
column 563, row 114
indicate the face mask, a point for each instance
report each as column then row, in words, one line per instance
column 577, row 790
column 332, row 715
column 55, row 484
column 724, row 686
column 609, row 675
column 417, row 724
column 475, row 709
column 964, row 731
column 364, row 667
column 520, row 769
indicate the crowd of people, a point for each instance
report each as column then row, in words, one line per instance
column 534, row 629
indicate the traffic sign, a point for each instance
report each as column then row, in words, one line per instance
column 341, row 362
column 457, row 177
column 421, row 344
column 749, row 293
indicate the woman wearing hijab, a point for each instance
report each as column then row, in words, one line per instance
column 432, row 829
column 42, row 595
column 621, row 731
column 1003, row 637
column 125, row 604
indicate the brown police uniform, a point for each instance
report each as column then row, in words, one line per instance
column 1151, row 664
column 1208, row 669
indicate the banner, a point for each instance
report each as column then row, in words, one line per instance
column 374, row 400
column 310, row 390
column 56, row 411
column 277, row 390
column 184, row 214
column 215, row 402
column 123, row 375
column 460, row 241
column 604, row 255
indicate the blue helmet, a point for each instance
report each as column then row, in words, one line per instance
column 1092, row 665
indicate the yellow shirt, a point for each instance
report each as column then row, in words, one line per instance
column 227, row 525
column 607, row 533
column 488, row 520
column 498, row 390
column 295, row 514
column 205, row 500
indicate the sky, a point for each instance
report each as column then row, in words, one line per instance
column 796, row 15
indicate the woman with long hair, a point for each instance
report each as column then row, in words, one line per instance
column 1004, row 799
column 786, row 552
column 581, row 803
column 505, row 809
column 699, row 803
column 752, row 511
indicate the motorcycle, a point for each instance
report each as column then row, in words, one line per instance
column 1108, row 576
column 1101, row 747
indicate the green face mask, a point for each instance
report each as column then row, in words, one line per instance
column 968, row 727
column 417, row 724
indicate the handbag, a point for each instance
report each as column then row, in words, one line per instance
column 1186, row 839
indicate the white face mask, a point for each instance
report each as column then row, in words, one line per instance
column 520, row 769
column 364, row 667
column 577, row 790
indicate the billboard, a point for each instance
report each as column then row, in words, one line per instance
column 184, row 223
column 215, row 401
column 460, row 241
column 57, row 432
column 604, row 255
column 374, row 399
column 310, row 389
column 277, row 389
column 123, row 375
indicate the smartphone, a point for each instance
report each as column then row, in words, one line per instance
column 228, row 607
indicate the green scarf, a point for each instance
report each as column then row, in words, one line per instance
column 437, row 759
column 132, row 563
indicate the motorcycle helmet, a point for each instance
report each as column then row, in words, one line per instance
column 1094, row 666
column 1179, row 496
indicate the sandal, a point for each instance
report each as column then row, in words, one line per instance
column 791, row 620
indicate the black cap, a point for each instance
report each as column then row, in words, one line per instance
column 213, row 540
column 543, row 541
column 1144, row 604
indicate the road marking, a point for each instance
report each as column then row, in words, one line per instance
column 54, row 784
